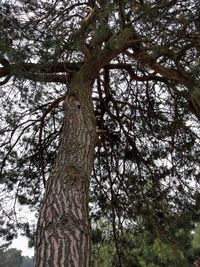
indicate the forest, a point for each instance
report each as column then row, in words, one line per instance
column 11, row 257
column 99, row 133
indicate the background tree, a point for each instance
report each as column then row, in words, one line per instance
column 10, row 257
column 27, row 262
column 142, row 249
column 128, row 75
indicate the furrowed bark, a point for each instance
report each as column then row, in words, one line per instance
column 63, row 237
column 63, row 231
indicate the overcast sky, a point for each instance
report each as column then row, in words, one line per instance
column 21, row 243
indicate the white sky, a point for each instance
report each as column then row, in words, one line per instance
column 21, row 243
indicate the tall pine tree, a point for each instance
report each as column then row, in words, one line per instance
column 100, row 104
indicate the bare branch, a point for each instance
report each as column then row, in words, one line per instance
column 41, row 127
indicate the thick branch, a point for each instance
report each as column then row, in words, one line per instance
column 146, row 60
column 49, row 72
column 56, row 78
column 54, row 67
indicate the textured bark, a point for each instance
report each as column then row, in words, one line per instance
column 63, row 231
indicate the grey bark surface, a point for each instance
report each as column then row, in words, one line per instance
column 63, row 231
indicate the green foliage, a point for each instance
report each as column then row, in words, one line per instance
column 102, row 255
column 137, row 248
column 165, row 252
column 102, row 245
column 196, row 237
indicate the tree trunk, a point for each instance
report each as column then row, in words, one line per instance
column 63, row 230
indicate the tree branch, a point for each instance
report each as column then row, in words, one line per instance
column 146, row 60
column 40, row 72
column 41, row 127
column 134, row 76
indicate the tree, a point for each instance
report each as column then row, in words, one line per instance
column 129, row 79
column 27, row 262
column 10, row 257
column 143, row 250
